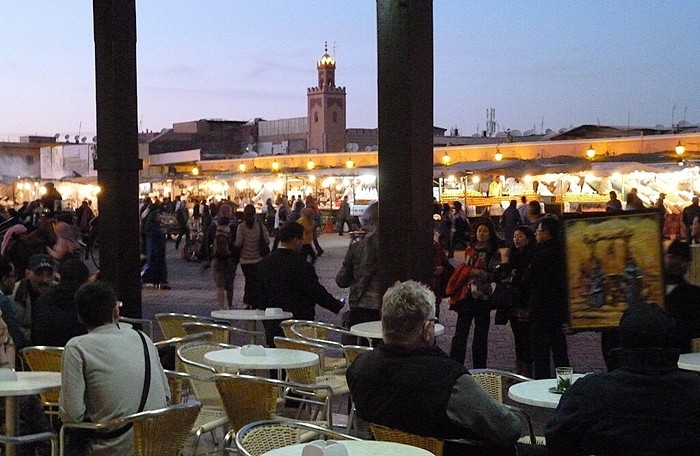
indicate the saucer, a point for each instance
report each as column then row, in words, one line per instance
column 555, row 390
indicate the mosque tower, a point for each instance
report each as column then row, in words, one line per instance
column 326, row 109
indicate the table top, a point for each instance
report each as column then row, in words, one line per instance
column 275, row 358
column 358, row 448
column 373, row 329
column 243, row 314
column 28, row 383
column 689, row 361
column 536, row 392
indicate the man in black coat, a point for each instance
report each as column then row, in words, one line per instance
column 646, row 406
column 546, row 280
column 682, row 299
column 285, row 280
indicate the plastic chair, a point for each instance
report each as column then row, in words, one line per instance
column 46, row 359
column 171, row 323
column 387, row 434
column 247, row 398
column 259, row 437
column 220, row 333
column 161, row 432
column 491, row 380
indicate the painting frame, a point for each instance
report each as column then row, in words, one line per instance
column 612, row 261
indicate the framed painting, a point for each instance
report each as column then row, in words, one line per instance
column 611, row 262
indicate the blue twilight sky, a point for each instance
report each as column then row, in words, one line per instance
column 538, row 63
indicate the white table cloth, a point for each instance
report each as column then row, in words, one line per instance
column 359, row 448
column 373, row 329
column 536, row 392
column 275, row 358
column 249, row 316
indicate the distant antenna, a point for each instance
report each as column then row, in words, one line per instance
column 335, row 46
column 490, row 122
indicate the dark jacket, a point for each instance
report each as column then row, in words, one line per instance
column 646, row 407
column 285, row 280
column 546, row 280
column 55, row 316
column 683, row 303
column 389, row 385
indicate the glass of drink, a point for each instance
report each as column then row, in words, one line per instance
column 564, row 377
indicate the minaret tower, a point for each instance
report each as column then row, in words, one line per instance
column 326, row 109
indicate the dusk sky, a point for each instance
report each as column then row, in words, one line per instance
column 538, row 63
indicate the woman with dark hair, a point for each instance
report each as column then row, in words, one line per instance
column 155, row 269
column 481, row 257
column 251, row 239
column 512, row 270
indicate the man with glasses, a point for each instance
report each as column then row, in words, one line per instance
column 108, row 373
column 410, row 384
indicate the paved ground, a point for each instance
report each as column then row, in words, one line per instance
column 192, row 292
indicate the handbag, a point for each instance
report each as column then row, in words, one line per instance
column 447, row 271
column 262, row 245
column 502, row 295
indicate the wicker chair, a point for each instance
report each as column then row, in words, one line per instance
column 144, row 324
column 329, row 364
column 259, row 437
column 171, row 323
column 351, row 352
column 46, row 359
column 312, row 376
column 161, row 432
column 492, row 381
column 220, row 333
column 32, row 438
column 386, row 434
column 324, row 333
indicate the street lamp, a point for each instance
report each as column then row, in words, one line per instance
column 680, row 148
column 242, row 167
column 195, row 171
column 349, row 163
column 310, row 165
column 499, row 155
column 590, row 153
column 446, row 159
column 275, row 166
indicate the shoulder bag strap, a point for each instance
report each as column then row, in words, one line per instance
column 144, row 393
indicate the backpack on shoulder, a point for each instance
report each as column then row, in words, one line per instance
column 221, row 248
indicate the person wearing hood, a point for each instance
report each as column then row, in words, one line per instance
column 55, row 316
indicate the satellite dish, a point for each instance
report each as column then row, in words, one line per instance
column 94, row 139
column 353, row 147
column 563, row 130
column 501, row 134
column 76, row 137
column 368, row 148
column 548, row 131
column 83, row 139
column 67, row 137
column 659, row 126
column 515, row 133
column 56, row 136
column 375, row 147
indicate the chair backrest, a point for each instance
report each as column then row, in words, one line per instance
column 192, row 357
column 305, row 375
column 47, row 359
column 164, row 432
column 175, row 380
column 171, row 323
column 286, row 326
column 351, row 352
column 160, row 432
column 247, row 398
column 219, row 333
column 145, row 324
column 492, row 380
column 176, row 342
column 386, row 434
column 260, row 437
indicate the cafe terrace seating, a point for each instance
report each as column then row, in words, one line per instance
column 329, row 364
column 171, row 323
column 247, row 398
column 161, row 432
column 32, row 438
column 351, row 352
column 47, row 359
column 492, row 381
column 220, row 332
column 259, row 437
column 387, row 434
column 313, row 376
column 322, row 332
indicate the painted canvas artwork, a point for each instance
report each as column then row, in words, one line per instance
column 612, row 261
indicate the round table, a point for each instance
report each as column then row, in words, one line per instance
column 536, row 392
column 27, row 383
column 358, row 448
column 373, row 329
column 689, row 361
column 250, row 316
column 275, row 358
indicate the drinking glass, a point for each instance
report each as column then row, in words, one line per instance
column 564, row 377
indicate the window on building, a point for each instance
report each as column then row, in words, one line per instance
column 315, row 117
column 30, row 160
column 335, row 117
